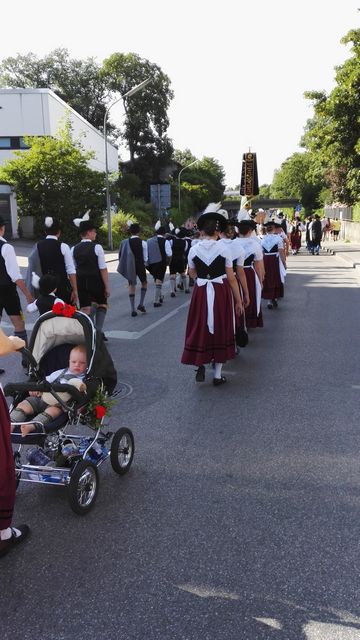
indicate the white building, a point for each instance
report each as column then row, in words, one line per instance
column 40, row 112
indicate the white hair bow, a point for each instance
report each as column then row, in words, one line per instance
column 49, row 221
column 157, row 225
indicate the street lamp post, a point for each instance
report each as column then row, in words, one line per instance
column 180, row 172
column 138, row 87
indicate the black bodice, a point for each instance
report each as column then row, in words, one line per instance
column 249, row 260
column 273, row 249
column 210, row 271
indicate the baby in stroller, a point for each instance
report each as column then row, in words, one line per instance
column 44, row 407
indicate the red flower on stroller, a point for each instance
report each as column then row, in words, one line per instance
column 63, row 309
column 100, row 411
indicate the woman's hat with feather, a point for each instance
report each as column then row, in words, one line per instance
column 213, row 212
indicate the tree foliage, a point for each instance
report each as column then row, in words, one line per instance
column 333, row 134
column 201, row 183
column 77, row 82
column 146, row 118
column 295, row 180
column 52, row 178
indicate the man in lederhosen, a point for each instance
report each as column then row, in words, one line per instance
column 10, row 279
column 91, row 273
column 159, row 254
column 53, row 256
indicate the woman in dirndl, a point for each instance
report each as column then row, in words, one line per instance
column 210, row 330
column 275, row 265
column 254, row 272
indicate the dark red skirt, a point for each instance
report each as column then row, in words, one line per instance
column 7, row 469
column 295, row 241
column 253, row 320
column 273, row 287
column 201, row 347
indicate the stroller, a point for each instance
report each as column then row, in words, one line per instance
column 71, row 460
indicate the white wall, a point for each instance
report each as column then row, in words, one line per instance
column 39, row 112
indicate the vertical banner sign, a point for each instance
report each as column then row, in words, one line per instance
column 249, row 185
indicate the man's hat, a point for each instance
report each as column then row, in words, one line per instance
column 221, row 221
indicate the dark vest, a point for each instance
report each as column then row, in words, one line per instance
column 216, row 269
column 45, row 303
column 51, row 259
column 178, row 248
column 161, row 242
column 137, row 250
column 4, row 276
column 86, row 261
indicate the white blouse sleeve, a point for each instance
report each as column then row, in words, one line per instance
column 190, row 258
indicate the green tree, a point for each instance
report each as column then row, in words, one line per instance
column 53, row 178
column 202, row 183
column 295, row 180
column 77, row 82
column 333, row 134
column 146, row 118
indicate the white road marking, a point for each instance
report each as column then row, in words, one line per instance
column 135, row 335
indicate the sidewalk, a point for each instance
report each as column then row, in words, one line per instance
column 347, row 251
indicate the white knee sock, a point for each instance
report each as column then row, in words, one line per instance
column 217, row 369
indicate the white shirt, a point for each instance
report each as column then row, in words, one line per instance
column 236, row 250
column 270, row 239
column 251, row 245
column 68, row 259
column 168, row 249
column 55, row 374
column 11, row 265
column 207, row 251
column 99, row 252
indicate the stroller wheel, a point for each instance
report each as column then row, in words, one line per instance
column 17, row 462
column 122, row 451
column 83, row 487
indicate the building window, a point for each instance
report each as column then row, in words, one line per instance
column 5, row 143
column 14, row 142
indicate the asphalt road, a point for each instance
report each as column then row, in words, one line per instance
column 239, row 518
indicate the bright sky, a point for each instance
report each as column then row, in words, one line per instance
column 238, row 69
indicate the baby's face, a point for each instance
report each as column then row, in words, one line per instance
column 77, row 362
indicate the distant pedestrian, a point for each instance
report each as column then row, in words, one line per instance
column 335, row 228
column 275, row 266
column 180, row 248
column 315, row 229
column 159, row 254
column 133, row 256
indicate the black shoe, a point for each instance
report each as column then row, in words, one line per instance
column 200, row 374
column 218, row 381
column 133, row 314
column 161, row 299
column 7, row 545
column 157, row 304
column 141, row 308
column 270, row 306
column 2, row 371
column 275, row 304
column 187, row 290
column 173, row 295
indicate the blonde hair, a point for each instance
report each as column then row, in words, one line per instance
column 79, row 347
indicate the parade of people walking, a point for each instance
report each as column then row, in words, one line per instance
column 254, row 272
column 275, row 265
